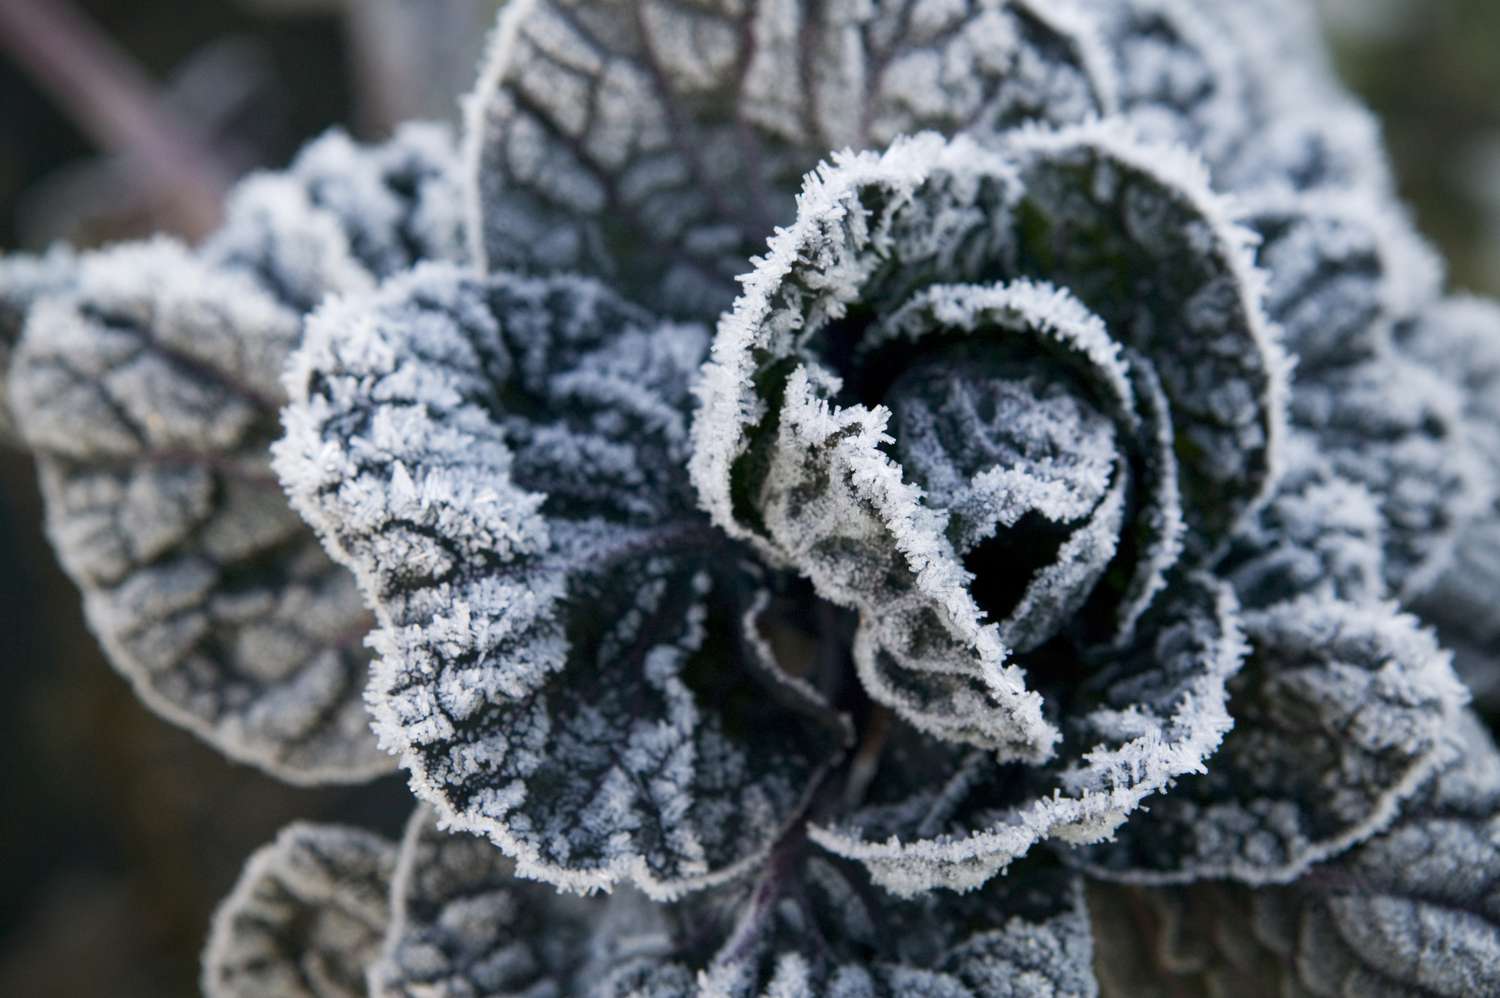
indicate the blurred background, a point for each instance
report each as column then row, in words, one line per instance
column 118, row 832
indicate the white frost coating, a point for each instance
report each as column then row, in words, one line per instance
column 305, row 919
column 463, row 925
column 152, row 386
column 500, row 462
column 1322, row 534
column 1409, row 912
column 1180, row 79
column 1219, row 361
column 863, row 284
column 1459, row 337
column 1341, row 713
column 1398, row 430
column 761, row 329
column 1138, row 455
column 1247, row 85
column 25, row 280
column 656, row 145
column 1345, row 269
column 1156, row 714
column 149, row 397
column 343, row 216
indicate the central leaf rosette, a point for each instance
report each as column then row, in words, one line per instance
column 1006, row 404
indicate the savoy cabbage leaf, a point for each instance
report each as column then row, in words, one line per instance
column 463, row 924
column 147, row 382
column 25, row 280
column 149, row 397
column 656, row 144
column 344, row 216
column 1247, row 86
column 306, row 919
column 1459, row 337
column 499, row 460
column 1344, row 271
column 1410, row 912
column 1341, row 711
column 1398, row 429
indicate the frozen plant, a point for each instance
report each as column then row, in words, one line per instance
column 820, row 499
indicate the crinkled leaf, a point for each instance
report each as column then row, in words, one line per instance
column 306, row 918
column 500, row 462
column 1343, row 271
column 1142, row 717
column 1411, row 912
column 1340, row 713
column 25, row 280
column 1320, row 534
column 1460, row 339
column 1248, row 86
column 1397, row 429
column 1180, row 79
column 150, row 392
column 808, row 925
column 657, row 144
column 344, row 216
column 463, row 925
column 150, row 396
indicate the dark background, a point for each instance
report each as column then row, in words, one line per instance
column 118, row 832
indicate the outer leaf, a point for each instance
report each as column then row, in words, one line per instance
column 500, row 462
column 149, row 397
column 1248, row 86
column 1145, row 716
column 1321, row 533
column 23, row 281
column 344, row 216
column 1408, row 913
column 150, row 392
column 1460, row 338
column 1341, row 712
column 807, row 926
column 657, row 144
column 305, row 919
column 464, row 926
column 1180, row 80
column 1344, row 271
column 1397, row 429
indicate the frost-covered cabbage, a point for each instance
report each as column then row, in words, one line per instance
column 844, row 498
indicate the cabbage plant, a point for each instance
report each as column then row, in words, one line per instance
column 838, row 498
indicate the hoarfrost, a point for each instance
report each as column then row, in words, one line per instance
column 305, row 919
column 809, row 925
column 656, row 145
column 1410, row 912
column 1340, row 712
column 25, row 280
column 499, row 460
column 149, row 395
